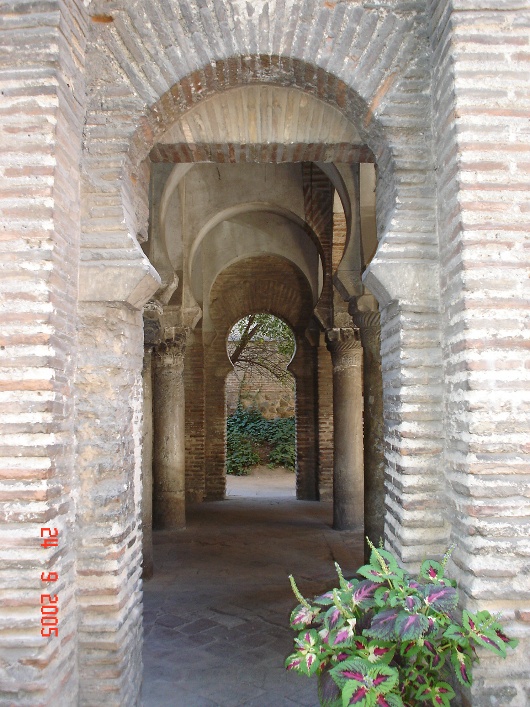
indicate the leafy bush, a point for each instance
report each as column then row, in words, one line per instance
column 282, row 438
column 390, row 640
column 247, row 431
column 240, row 454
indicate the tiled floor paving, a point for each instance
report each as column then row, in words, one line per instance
column 216, row 611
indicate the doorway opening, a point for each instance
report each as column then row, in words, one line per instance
column 260, row 408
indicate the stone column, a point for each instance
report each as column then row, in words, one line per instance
column 303, row 367
column 348, row 464
column 169, row 435
column 147, row 465
column 369, row 323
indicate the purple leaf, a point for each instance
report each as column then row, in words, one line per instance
column 352, row 675
column 324, row 635
column 380, row 679
column 441, row 598
column 358, row 696
column 409, row 647
column 412, row 603
column 383, row 625
column 411, row 626
column 310, row 659
column 378, row 651
column 328, row 690
column 502, row 636
column 332, row 617
column 429, row 646
column 364, row 590
column 490, row 643
column 303, row 616
column 343, row 635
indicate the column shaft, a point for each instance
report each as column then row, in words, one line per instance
column 348, row 467
column 169, row 436
column 374, row 456
column 147, row 465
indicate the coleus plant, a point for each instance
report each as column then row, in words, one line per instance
column 387, row 639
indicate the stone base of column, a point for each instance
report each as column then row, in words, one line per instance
column 170, row 511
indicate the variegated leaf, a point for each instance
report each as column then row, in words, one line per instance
column 440, row 597
column 383, row 625
column 409, row 627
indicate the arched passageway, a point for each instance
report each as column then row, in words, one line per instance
column 261, row 238
column 235, row 239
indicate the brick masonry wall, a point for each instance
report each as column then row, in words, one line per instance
column 318, row 204
column 108, row 469
column 42, row 105
column 481, row 101
column 412, row 394
column 270, row 284
column 194, row 416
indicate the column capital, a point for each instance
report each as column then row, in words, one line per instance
column 367, row 319
column 170, row 352
column 345, row 347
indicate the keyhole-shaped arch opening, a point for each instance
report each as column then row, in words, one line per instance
column 261, row 404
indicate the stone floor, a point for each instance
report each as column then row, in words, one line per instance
column 216, row 611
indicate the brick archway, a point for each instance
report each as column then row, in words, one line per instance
column 130, row 109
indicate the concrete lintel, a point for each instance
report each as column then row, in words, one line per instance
column 411, row 283
column 133, row 282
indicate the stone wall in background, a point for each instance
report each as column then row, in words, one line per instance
column 269, row 396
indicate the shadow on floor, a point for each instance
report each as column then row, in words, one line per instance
column 216, row 611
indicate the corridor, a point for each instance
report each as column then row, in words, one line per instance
column 216, row 611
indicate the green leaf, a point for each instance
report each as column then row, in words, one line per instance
column 456, row 633
column 383, row 677
column 431, row 570
column 354, row 669
column 389, row 700
column 485, row 637
column 462, row 664
column 382, row 596
column 376, row 651
column 376, row 575
column 358, row 695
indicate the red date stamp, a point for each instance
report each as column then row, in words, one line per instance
column 49, row 603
